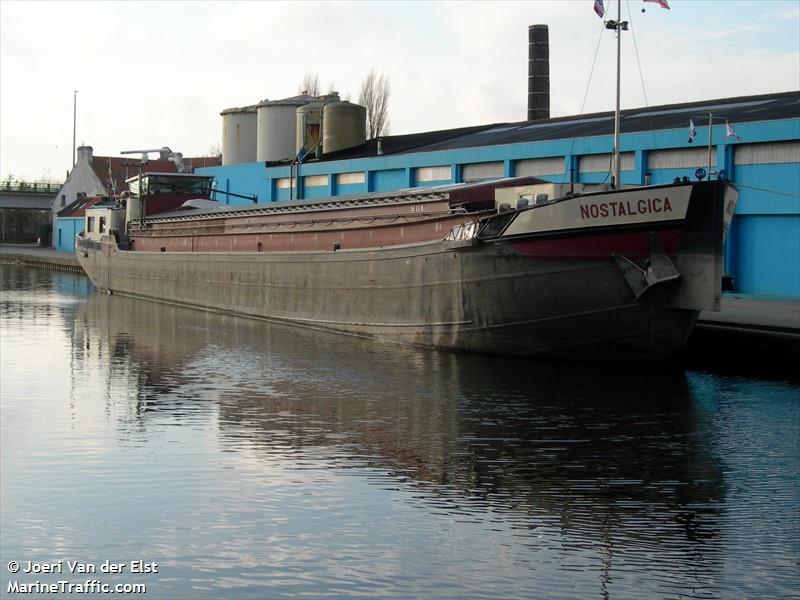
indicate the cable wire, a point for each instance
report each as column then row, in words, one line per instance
column 641, row 78
column 759, row 189
column 589, row 82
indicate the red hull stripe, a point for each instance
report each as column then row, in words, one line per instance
column 633, row 245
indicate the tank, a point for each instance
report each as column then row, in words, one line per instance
column 238, row 135
column 308, row 123
column 277, row 127
column 344, row 125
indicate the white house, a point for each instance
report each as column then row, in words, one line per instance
column 105, row 176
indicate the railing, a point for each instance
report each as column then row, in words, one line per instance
column 29, row 187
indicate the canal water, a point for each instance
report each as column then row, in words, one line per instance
column 247, row 460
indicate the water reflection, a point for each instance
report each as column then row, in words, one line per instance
column 607, row 454
column 287, row 461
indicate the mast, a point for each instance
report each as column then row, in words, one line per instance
column 616, row 181
column 618, row 26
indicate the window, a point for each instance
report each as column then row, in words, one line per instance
column 90, row 224
column 315, row 180
column 600, row 163
column 284, row 183
column 534, row 167
column 767, row 153
column 63, row 199
column 681, row 158
column 102, row 225
column 350, row 178
column 183, row 185
column 434, row 173
column 481, row 171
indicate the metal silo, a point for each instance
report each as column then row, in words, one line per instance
column 238, row 135
column 308, row 124
column 277, row 128
column 344, row 125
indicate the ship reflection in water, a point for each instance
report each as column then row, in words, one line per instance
column 253, row 460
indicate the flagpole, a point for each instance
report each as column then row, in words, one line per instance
column 710, row 126
column 616, row 180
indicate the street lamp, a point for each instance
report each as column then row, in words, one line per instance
column 74, row 120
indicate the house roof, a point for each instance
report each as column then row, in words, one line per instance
column 736, row 110
column 78, row 208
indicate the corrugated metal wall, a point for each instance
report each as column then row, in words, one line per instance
column 438, row 173
column 481, row 171
column 600, row 163
column 536, row 167
column 681, row 158
column 315, row 180
column 769, row 153
column 350, row 178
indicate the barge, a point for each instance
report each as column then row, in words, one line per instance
column 513, row 266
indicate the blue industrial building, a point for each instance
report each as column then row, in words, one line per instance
column 762, row 159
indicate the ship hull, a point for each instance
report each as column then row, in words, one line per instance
column 552, row 281
column 480, row 298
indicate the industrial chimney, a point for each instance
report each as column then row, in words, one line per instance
column 538, row 72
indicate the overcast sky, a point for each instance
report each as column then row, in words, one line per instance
column 152, row 74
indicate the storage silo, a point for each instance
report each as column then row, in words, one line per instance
column 308, row 124
column 344, row 125
column 277, row 127
column 238, row 135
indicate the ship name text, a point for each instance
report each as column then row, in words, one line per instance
column 623, row 208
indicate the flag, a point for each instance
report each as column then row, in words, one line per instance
column 598, row 8
column 729, row 132
column 692, row 130
column 661, row 3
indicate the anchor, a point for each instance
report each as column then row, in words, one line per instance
column 659, row 268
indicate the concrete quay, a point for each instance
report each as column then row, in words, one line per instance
column 750, row 333
column 41, row 258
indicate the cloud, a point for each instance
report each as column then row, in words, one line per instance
column 160, row 73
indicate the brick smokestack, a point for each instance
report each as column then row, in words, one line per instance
column 538, row 72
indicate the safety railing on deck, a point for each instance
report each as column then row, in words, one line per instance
column 29, row 187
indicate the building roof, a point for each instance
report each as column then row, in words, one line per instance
column 737, row 110
column 239, row 109
column 78, row 208
column 298, row 100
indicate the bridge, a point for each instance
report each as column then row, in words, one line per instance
column 36, row 195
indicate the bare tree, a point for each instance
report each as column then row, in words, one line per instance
column 374, row 95
column 214, row 150
column 310, row 84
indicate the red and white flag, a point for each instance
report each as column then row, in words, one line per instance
column 661, row 3
column 729, row 132
column 598, row 8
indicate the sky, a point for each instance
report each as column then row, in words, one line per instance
column 153, row 74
